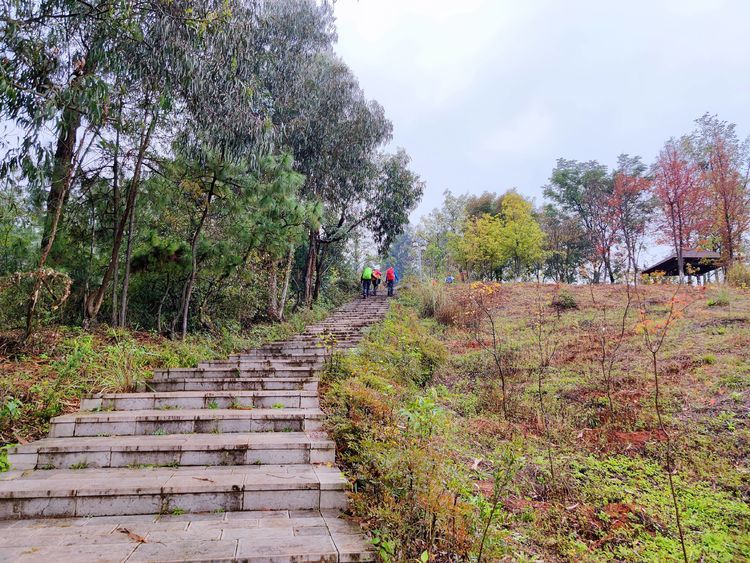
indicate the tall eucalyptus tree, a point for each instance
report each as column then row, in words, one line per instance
column 334, row 137
column 202, row 62
column 56, row 55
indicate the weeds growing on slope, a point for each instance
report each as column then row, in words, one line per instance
column 435, row 446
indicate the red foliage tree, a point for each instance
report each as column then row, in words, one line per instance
column 724, row 163
column 631, row 206
column 682, row 198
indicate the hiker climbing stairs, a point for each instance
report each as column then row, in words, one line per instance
column 224, row 461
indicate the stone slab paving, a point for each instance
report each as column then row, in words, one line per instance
column 223, row 462
column 235, row 384
column 253, row 448
column 258, row 536
column 166, row 400
column 185, row 421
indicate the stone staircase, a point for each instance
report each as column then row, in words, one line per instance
column 223, row 462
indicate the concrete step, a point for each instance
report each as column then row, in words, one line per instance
column 235, row 384
column 166, row 400
column 299, row 347
column 266, row 363
column 185, row 421
column 261, row 448
column 273, row 356
column 306, row 346
column 230, row 371
column 320, row 337
column 278, row 536
column 323, row 332
column 253, row 366
column 119, row 491
column 264, row 355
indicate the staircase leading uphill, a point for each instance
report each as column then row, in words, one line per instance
column 222, row 462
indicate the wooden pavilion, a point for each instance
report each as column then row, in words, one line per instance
column 697, row 263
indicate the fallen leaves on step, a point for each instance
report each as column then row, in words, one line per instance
column 133, row 536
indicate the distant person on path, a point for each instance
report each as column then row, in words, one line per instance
column 366, row 280
column 376, row 275
column 390, row 279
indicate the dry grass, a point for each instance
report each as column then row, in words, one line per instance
column 704, row 371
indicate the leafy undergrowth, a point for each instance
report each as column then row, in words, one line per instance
column 568, row 462
column 51, row 374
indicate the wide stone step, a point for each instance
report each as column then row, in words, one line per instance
column 185, row 421
column 266, row 363
column 166, row 400
column 229, row 372
column 349, row 329
column 263, row 355
column 235, row 384
column 115, row 491
column 256, row 367
column 320, row 337
column 294, row 349
column 306, row 346
column 276, row 355
column 346, row 325
column 278, row 536
column 262, row 448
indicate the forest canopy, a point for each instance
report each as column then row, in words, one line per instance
column 184, row 165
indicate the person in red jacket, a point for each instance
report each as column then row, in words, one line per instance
column 390, row 279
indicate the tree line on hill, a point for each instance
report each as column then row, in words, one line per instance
column 182, row 164
column 596, row 222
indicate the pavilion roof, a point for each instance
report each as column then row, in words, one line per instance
column 696, row 261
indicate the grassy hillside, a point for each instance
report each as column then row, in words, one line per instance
column 570, row 462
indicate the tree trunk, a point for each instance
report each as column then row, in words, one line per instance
column 608, row 265
column 273, row 291
column 94, row 304
column 596, row 273
column 287, row 277
column 92, row 246
column 319, row 271
column 116, row 212
column 62, row 177
column 194, row 261
column 126, row 280
column 161, row 304
column 310, row 267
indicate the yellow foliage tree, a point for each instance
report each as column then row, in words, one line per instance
column 493, row 244
column 521, row 238
column 478, row 247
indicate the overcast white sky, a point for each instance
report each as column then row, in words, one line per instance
column 487, row 94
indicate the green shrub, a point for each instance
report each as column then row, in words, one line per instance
column 708, row 359
column 4, row 464
column 721, row 298
column 14, row 294
column 564, row 300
